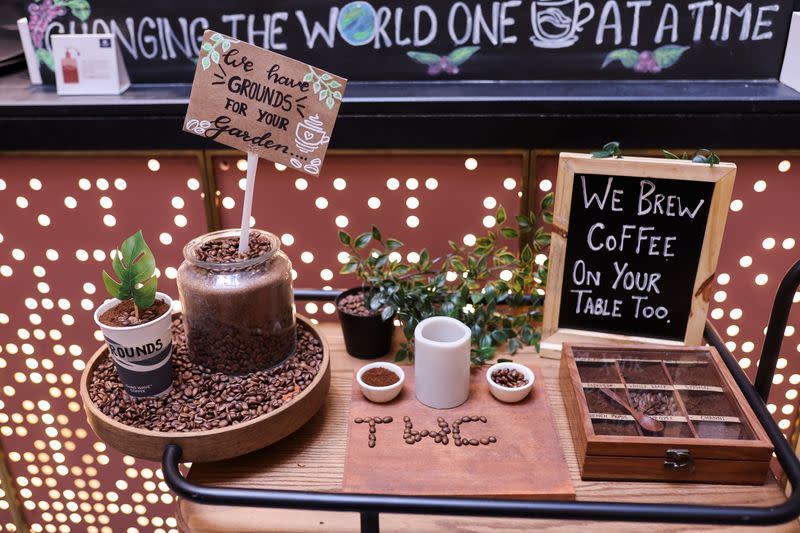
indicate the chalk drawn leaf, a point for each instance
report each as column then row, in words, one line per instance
column 460, row 55
column 627, row 56
column 214, row 56
column 308, row 77
column 316, row 87
column 206, row 62
column 323, row 94
column 329, row 102
column 426, row 58
column 334, row 84
column 668, row 55
column 337, row 95
column 45, row 57
column 216, row 37
column 79, row 8
column 206, row 46
column 327, row 77
column 226, row 44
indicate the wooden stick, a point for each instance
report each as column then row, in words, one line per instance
column 247, row 208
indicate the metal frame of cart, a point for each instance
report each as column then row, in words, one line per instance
column 370, row 506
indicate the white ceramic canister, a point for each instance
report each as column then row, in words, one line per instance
column 143, row 353
column 441, row 362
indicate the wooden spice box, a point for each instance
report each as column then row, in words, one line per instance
column 710, row 433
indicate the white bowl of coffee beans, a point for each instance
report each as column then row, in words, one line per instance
column 380, row 382
column 510, row 382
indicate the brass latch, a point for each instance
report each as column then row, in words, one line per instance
column 678, row 458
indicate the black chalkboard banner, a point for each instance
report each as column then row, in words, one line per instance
column 379, row 40
column 634, row 248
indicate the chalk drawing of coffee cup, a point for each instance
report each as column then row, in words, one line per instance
column 556, row 23
column 309, row 135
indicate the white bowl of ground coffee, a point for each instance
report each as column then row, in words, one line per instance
column 380, row 382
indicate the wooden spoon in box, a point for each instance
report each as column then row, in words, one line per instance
column 646, row 422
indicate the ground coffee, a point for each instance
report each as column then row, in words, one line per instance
column 379, row 377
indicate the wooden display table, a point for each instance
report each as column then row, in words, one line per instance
column 313, row 459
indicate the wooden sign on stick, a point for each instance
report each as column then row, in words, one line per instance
column 261, row 102
column 634, row 249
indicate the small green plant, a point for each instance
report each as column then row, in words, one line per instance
column 611, row 149
column 495, row 291
column 135, row 267
column 703, row 156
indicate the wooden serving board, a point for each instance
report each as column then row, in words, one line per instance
column 526, row 462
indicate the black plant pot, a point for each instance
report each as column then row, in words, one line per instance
column 366, row 337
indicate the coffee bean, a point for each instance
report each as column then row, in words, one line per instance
column 406, row 419
column 474, row 418
column 458, row 442
column 202, row 399
column 483, row 419
column 445, row 440
column 414, row 432
column 492, row 439
column 378, row 420
column 424, row 433
column 387, row 419
column 437, row 439
column 358, row 420
column 484, row 441
column 371, row 444
column 509, row 377
column 446, row 430
column 473, row 442
column 410, row 440
column 465, row 419
column 439, row 419
column 356, row 304
column 417, row 438
column 372, row 429
column 368, row 420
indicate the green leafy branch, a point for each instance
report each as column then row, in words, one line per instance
column 611, row 149
column 216, row 40
column 494, row 290
column 325, row 86
column 135, row 267
column 703, row 156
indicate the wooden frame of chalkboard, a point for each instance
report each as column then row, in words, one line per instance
column 645, row 239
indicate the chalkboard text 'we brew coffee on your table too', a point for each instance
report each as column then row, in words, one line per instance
column 635, row 245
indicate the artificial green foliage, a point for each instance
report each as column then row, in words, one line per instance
column 464, row 284
column 702, row 156
column 611, row 149
column 135, row 267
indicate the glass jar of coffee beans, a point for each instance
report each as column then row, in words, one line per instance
column 238, row 309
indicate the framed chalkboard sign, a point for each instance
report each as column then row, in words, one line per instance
column 634, row 248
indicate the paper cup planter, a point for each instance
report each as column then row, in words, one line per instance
column 143, row 353
column 441, row 362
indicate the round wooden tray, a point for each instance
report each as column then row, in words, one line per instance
column 215, row 444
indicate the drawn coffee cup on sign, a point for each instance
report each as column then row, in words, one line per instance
column 310, row 134
column 556, row 23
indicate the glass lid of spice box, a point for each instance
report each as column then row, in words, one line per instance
column 662, row 394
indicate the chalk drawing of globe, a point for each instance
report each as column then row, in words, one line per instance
column 356, row 23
